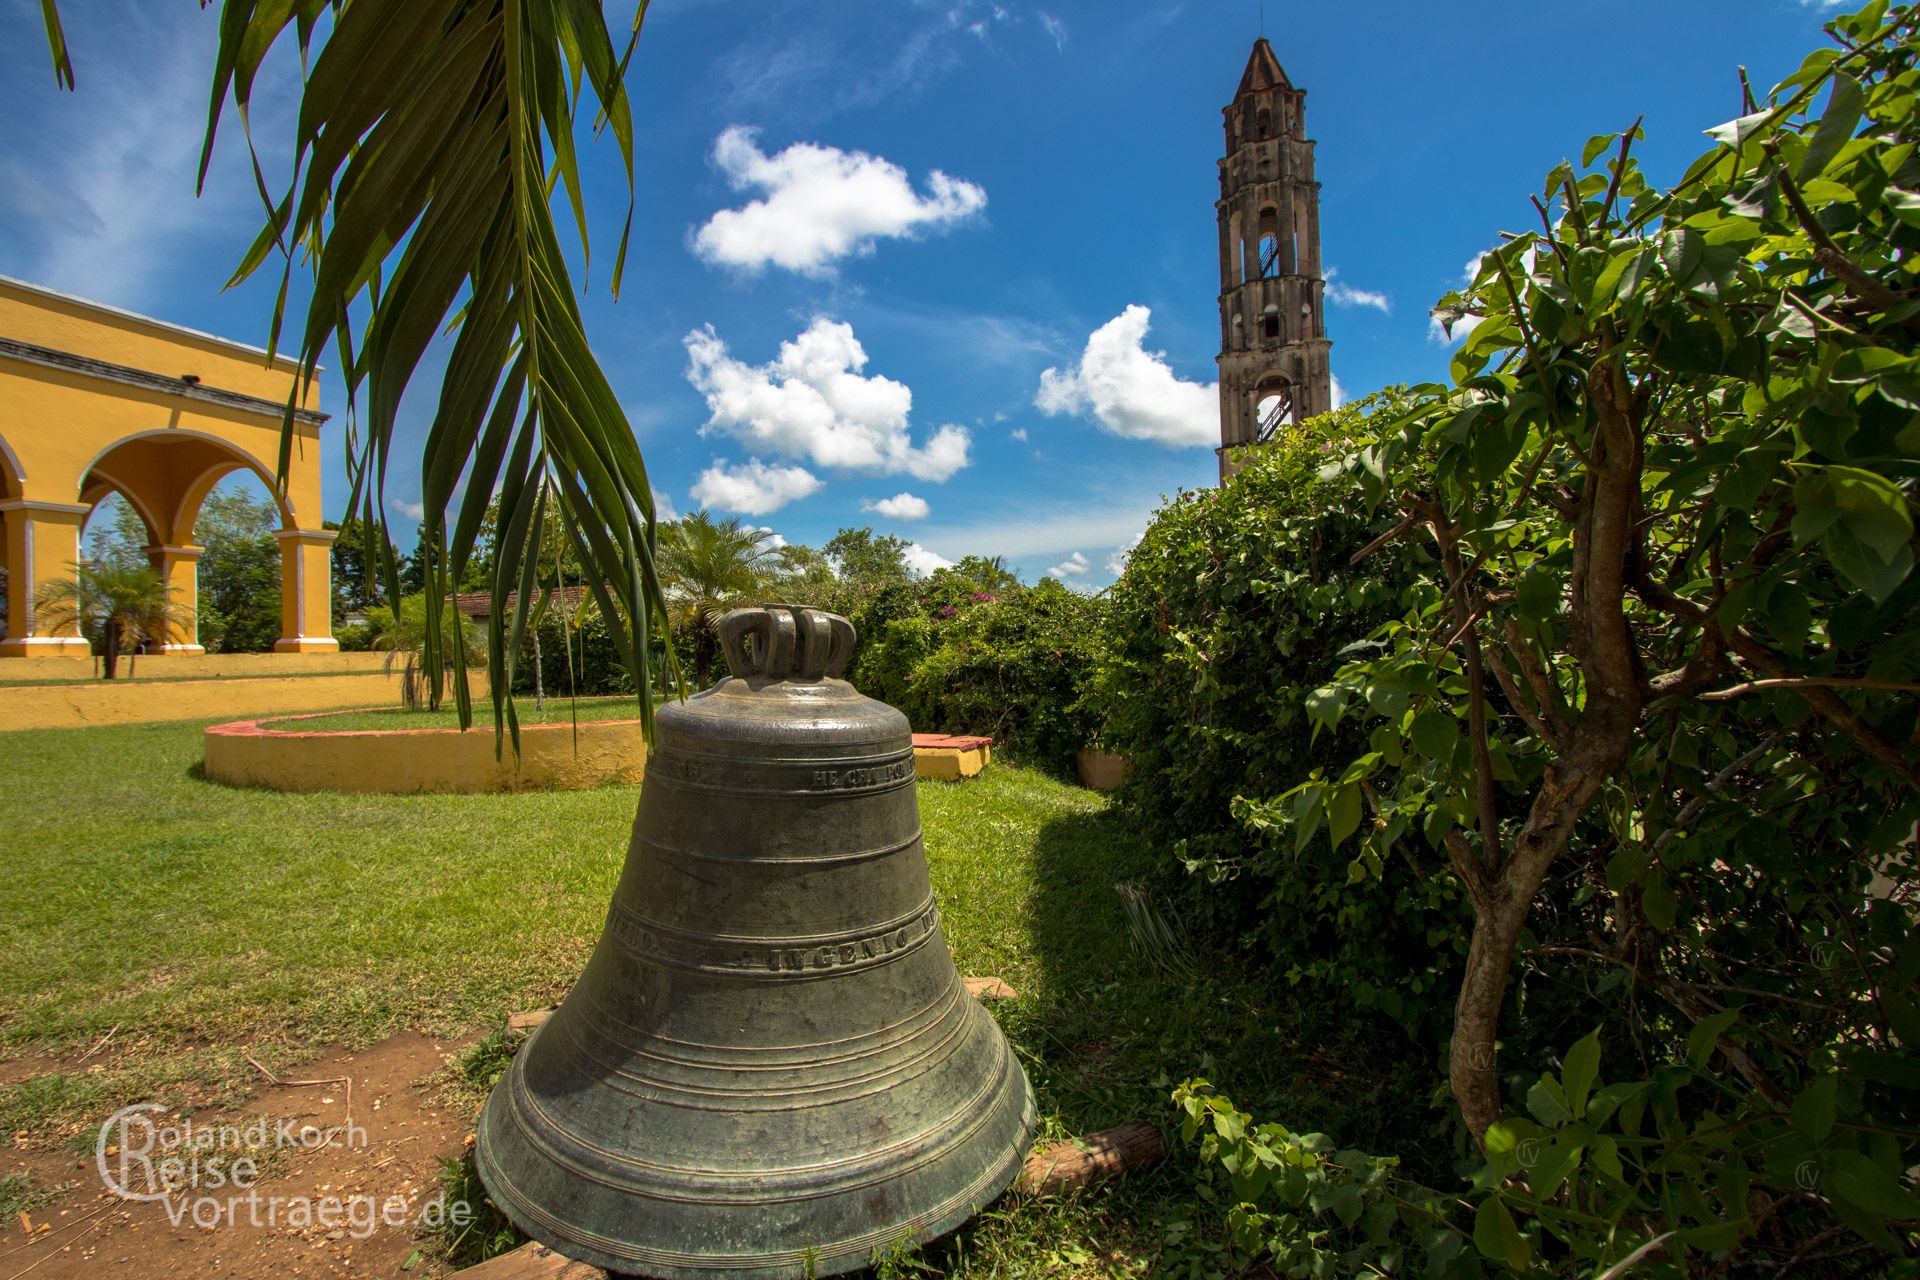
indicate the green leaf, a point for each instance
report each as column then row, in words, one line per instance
column 1741, row 486
column 1537, row 594
column 1495, row 1236
column 1863, row 567
column 1905, row 205
column 1813, row 1110
column 1859, row 1180
column 57, row 44
column 1557, row 1159
column 1324, row 707
column 1705, row 1036
column 1736, row 133
column 1579, row 1071
column 1434, row 733
column 1658, row 901
column 1547, row 1102
column 1343, row 813
column 1873, row 509
column 1837, row 123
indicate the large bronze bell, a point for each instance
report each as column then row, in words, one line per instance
column 770, row 1067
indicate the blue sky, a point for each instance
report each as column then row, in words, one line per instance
column 867, row 229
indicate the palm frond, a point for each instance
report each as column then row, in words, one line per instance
column 57, row 44
column 431, row 137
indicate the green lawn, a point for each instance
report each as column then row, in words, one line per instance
column 197, row 920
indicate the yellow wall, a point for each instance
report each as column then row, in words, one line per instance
column 73, row 706
column 82, row 416
column 203, row 666
column 408, row 761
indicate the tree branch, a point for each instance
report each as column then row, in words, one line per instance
column 1803, row 682
column 1830, row 705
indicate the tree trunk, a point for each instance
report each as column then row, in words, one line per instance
column 110, row 660
column 1504, row 882
column 539, row 677
column 702, row 653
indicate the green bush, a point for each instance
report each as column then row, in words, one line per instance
column 354, row 638
column 970, row 650
column 1236, row 605
column 573, row 660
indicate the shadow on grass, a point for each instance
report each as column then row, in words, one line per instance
column 1125, row 1012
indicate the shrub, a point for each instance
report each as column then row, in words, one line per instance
column 1656, row 713
column 577, row 661
column 1236, row 605
column 972, row 651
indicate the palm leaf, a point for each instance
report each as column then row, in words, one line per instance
column 57, row 44
column 432, row 135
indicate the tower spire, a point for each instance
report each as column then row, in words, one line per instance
column 1273, row 342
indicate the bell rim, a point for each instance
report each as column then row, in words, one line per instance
column 839, row 1257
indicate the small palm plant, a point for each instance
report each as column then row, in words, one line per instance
column 708, row 566
column 403, row 634
column 125, row 607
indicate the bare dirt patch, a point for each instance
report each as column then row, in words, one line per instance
column 381, row 1166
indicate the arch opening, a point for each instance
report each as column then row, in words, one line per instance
column 1273, row 409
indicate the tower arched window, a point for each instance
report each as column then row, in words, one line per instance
column 1276, row 255
column 1273, row 409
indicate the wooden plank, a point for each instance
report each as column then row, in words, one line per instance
column 1074, row 1163
column 532, row 1261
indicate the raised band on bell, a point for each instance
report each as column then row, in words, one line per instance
column 770, row 1066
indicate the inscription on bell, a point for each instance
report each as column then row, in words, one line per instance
column 839, row 954
column 865, row 775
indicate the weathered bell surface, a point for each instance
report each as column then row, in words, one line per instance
column 770, row 1067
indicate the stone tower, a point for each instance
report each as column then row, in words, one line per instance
column 1273, row 336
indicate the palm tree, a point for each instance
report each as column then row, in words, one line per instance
column 404, row 635
column 707, row 566
column 130, row 606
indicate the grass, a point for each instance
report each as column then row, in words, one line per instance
column 559, row 711
column 196, row 921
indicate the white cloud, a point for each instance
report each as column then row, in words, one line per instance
column 1339, row 392
column 901, row 506
column 663, row 508
column 411, row 510
column 773, row 541
column 1051, row 527
column 921, row 562
column 1341, row 294
column 1058, row 29
column 821, row 204
column 754, row 488
column 813, row 403
column 1072, row 567
column 1131, row 391
column 1117, row 562
column 1019, row 433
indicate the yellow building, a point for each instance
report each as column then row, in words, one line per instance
column 95, row 400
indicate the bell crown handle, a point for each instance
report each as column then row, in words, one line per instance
column 790, row 642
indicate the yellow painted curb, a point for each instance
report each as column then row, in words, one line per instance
column 411, row 761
